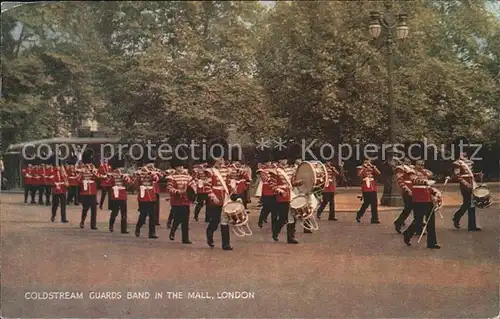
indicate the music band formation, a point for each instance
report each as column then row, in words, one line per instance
column 289, row 191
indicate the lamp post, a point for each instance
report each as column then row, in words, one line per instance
column 390, row 23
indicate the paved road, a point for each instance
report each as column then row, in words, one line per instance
column 344, row 270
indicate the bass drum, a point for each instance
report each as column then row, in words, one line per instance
column 312, row 174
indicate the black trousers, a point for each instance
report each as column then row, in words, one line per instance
column 33, row 189
column 466, row 206
column 28, row 190
column 118, row 206
column 406, row 211
column 105, row 191
column 282, row 209
column 268, row 207
column 201, row 199
column 146, row 209
column 328, row 198
column 56, row 200
column 157, row 210
column 181, row 217
column 420, row 210
column 89, row 202
column 73, row 192
column 214, row 213
column 369, row 199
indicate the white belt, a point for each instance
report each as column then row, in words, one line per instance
column 143, row 190
column 421, row 186
column 200, row 184
column 85, row 184
column 219, row 188
column 368, row 181
column 408, row 181
column 467, row 175
column 116, row 190
column 233, row 184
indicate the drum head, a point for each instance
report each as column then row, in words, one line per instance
column 305, row 173
column 430, row 182
column 481, row 191
column 233, row 207
column 299, row 201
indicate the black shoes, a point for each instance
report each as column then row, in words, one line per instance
column 456, row 224
column 171, row 236
column 187, row 242
column 358, row 219
column 293, row 241
column 375, row 222
column 82, row 225
column 475, row 229
column 52, row 218
column 434, row 247
column 64, row 221
column 397, row 227
column 94, row 228
column 227, row 248
column 332, row 218
column 406, row 238
column 153, row 237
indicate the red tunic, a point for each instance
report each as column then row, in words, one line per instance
column 146, row 188
column 104, row 169
column 238, row 179
column 421, row 193
column 73, row 178
column 28, row 177
column 88, row 185
column 265, row 177
column 217, row 186
column 177, row 185
column 332, row 178
column 462, row 172
column 202, row 180
column 367, row 175
column 118, row 183
column 60, row 184
column 48, row 178
column 280, row 185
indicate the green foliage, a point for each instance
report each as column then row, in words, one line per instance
column 150, row 70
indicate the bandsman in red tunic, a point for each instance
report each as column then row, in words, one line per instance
column 105, row 182
column 282, row 183
column 264, row 191
column 217, row 198
column 28, row 183
column 202, row 189
column 59, row 189
column 38, row 186
column 73, row 180
column 48, row 182
column 462, row 172
column 367, row 173
column 156, row 185
column 403, row 173
column 329, row 190
column 144, row 180
column 180, row 185
column 170, row 219
column 239, row 180
column 88, row 194
column 118, row 196
column 423, row 201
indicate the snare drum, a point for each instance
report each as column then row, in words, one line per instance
column 481, row 196
column 300, row 206
column 312, row 174
column 236, row 213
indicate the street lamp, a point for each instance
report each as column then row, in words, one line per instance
column 391, row 24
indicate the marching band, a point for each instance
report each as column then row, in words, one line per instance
column 287, row 192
